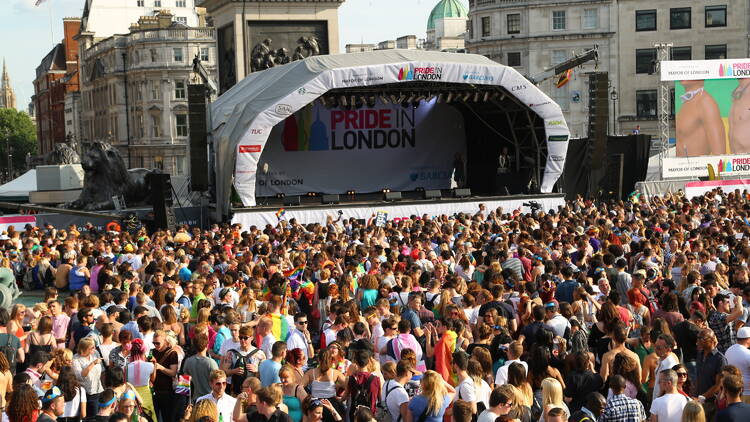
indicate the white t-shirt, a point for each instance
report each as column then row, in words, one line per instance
column 73, row 407
column 106, row 349
column 667, row 363
column 739, row 356
column 501, row 377
column 228, row 345
column 139, row 372
column 297, row 340
column 396, row 396
column 225, row 404
column 669, row 407
column 468, row 391
column 377, row 332
column 487, row 416
column 384, row 357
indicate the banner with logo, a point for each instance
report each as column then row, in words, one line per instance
column 366, row 150
column 722, row 165
column 689, row 70
column 693, row 189
column 372, row 156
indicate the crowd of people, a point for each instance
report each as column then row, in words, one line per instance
column 593, row 312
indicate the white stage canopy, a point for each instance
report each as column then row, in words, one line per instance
column 242, row 118
column 19, row 187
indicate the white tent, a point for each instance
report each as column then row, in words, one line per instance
column 242, row 118
column 19, row 188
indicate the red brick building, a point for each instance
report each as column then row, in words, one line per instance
column 56, row 78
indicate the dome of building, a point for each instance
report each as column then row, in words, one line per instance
column 447, row 9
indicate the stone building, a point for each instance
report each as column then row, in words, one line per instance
column 57, row 82
column 697, row 31
column 147, row 121
column 244, row 26
column 446, row 26
column 7, row 95
column 534, row 35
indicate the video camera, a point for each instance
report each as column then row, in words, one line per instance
column 534, row 205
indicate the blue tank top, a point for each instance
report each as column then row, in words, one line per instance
column 77, row 281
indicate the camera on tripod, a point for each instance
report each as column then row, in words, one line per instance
column 534, row 205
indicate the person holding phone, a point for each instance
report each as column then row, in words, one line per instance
column 87, row 366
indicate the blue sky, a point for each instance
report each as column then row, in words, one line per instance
column 27, row 36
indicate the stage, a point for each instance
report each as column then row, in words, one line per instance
column 259, row 216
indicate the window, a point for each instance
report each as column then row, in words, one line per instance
column 645, row 103
column 180, row 3
column 159, row 162
column 514, row 23
column 139, row 3
column 179, row 90
column 154, row 55
column 181, row 19
column 157, row 3
column 514, row 59
column 590, row 18
column 679, row 18
column 155, row 91
column 718, row 51
column 558, row 56
column 155, row 126
column 716, row 16
column 645, row 20
column 682, row 53
column 486, row 30
column 470, row 28
column 181, row 124
column 562, row 96
column 177, row 54
column 179, row 165
column 645, row 58
column 558, row 20
column 204, row 54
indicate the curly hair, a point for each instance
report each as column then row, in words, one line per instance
column 23, row 404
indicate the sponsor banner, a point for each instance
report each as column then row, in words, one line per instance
column 693, row 189
column 18, row 222
column 428, row 171
column 368, row 149
column 723, row 165
column 693, row 70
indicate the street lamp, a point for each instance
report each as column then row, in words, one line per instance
column 613, row 96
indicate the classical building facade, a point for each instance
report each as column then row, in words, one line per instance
column 57, row 82
column 697, row 31
column 246, row 27
column 134, row 87
column 534, row 35
column 7, row 95
column 446, row 26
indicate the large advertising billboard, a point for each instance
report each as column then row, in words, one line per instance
column 712, row 116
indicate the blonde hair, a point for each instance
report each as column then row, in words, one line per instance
column 693, row 412
column 85, row 343
column 203, row 408
column 433, row 388
column 552, row 392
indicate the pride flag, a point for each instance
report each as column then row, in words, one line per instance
column 444, row 356
column 280, row 213
column 294, row 273
column 280, row 327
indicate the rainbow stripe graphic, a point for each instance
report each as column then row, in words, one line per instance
column 294, row 273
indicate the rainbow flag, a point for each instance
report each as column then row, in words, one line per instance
column 294, row 273
column 444, row 356
column 280, row 213
column 307, row 289
column 279, row 327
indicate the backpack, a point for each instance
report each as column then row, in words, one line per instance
column 361, row 396
column 382, row 414
column 241, row 362
column 7, row 349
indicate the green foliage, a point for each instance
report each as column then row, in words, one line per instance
column 18, row 127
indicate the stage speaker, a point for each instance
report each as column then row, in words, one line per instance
column 161, row 197
column 198, row 137
column 292, row 201
column 432, row 194
column 598, row 117
column 330, row 199
column 461, row 193
column 392, row 196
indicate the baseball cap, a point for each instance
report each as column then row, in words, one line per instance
column 743, row 332
column 641, row 273
column 55, row 392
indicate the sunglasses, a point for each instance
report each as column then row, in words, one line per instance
column 302, row 322
column 156, row 343
column 244, row 337
column 509, row 404
column 220, row 383
column 682, row 374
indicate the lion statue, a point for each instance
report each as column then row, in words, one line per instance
column 105, row 176
column 62, row 154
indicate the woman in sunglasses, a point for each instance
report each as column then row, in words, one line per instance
column 127, row 405
column 684, row 386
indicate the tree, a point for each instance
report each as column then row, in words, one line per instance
column 16, row 129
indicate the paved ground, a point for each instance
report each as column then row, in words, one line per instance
column 30, row 298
